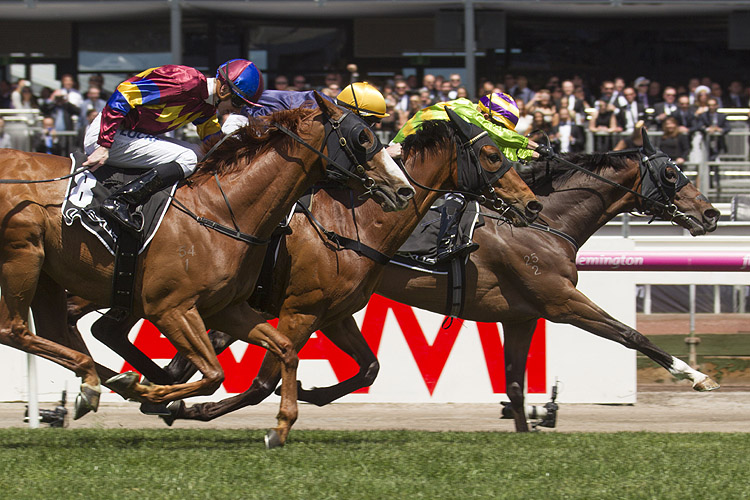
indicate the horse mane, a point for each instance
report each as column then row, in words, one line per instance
column 429, row 137
column 251, row 140
column 540, row 173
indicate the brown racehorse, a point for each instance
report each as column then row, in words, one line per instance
column 501, row 286
column 316, row 284
column 262, row 171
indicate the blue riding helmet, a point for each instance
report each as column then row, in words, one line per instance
column 245, row 80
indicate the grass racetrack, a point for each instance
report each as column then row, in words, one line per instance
column 233, row 464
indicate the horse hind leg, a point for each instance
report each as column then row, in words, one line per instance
column 19, row 285
column 516, row 346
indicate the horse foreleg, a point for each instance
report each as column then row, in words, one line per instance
column 581, row 312
column 180, row 369
column 186, row 331
column 347, row 337
column 244, row 323
column 112, row 330
column 517, row 341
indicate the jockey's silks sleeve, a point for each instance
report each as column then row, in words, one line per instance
column 159, row 100
column 511, row 143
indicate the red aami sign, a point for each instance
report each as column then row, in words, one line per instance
column 430, row 359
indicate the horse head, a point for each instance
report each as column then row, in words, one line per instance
column 350, row 142
column 676, row 198
column 485, row 169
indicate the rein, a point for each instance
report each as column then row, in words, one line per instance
column 342, row 242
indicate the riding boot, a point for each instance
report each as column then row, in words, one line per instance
column 121, row 202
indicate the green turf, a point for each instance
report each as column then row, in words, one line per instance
column 211, row 464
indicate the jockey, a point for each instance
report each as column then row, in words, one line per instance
column 128, row 133
column 360, row 97
column 496, row 113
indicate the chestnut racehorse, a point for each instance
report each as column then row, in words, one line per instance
column 316, row 283
column 189, row 276
column 502, row 286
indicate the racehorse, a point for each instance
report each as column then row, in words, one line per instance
column 519, row 275
column 189, row 276
column 316, row 282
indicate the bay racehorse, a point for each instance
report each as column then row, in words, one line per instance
column 189, row 276
column 519, row 275
column 317, row 282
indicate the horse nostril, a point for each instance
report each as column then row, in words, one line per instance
column 406, row 193
column 711, row 214
column 534, row 207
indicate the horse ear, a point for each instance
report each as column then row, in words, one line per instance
column 647, row 146
column 325, row 105
column 462, row 126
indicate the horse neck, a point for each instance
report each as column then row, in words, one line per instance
column 387, row 231
column 261, row 193
column 584, row 204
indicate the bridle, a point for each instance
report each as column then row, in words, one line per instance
column 472, row 178
column 339, row 138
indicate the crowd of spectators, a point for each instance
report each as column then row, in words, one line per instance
column 563, row 110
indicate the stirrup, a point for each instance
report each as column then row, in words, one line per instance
column 120, row 211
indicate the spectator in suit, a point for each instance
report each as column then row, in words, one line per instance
column 736, row 97
column 685, row 115
column 654, row 92
column 93, row 101
column 717, row 93
column 455, row 81
column 521, row 89
column 631, row 113
column 569, row 100
column 715, row 127
column 428, row 82
column 47, row 141
column 567, row 136
column 674, row 143
column 617, row 98
column 667, row 107
column 641, row 87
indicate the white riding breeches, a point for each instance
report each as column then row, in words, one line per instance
column 133, row 149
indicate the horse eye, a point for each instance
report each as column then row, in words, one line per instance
column 365, row 138
column 670, row 174
column 494, row 158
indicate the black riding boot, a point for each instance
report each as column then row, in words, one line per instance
column 136, row 192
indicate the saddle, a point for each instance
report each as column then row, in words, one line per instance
column 85, row 193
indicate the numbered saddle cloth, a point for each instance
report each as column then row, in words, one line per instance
column 86, row 192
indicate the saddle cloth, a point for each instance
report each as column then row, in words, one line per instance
column 421, row 249
column 86, row 192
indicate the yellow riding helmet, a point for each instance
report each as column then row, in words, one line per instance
column 363, row 99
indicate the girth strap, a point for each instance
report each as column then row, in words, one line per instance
column 456, row 290
column 342, row 242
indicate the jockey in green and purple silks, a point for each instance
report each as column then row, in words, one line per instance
column 496, row 113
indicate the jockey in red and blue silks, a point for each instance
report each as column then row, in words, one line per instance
column 128, row 133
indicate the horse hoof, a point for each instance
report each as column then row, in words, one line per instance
column 123, row 382
column 159, row 409
column 273, row 440
column 86, row 401
column 174, row 408
column 705, row 385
